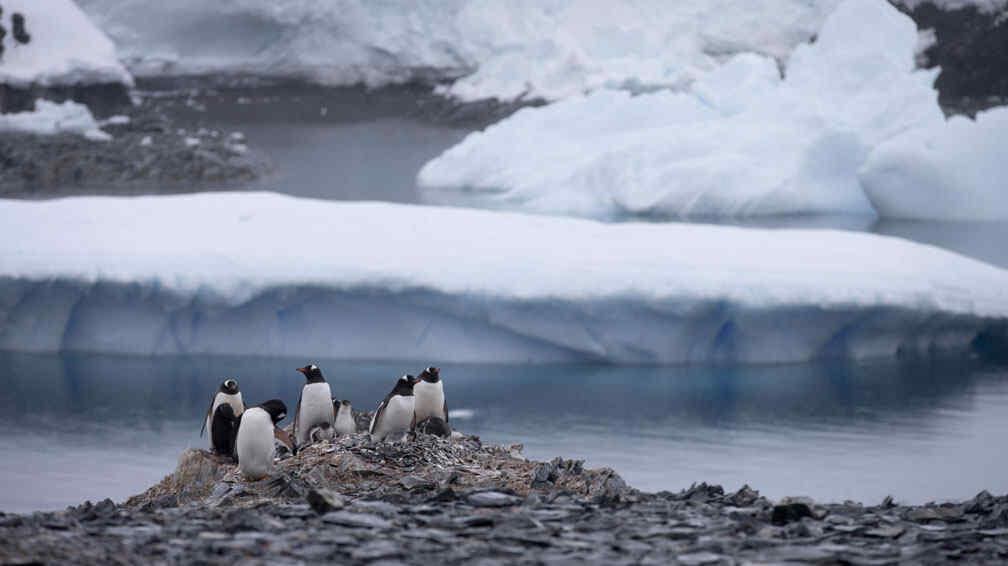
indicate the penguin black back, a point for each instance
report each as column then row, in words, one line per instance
column 276, row 408
column 403, row 387
column 224, row 431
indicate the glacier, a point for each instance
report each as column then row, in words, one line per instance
column 953, row 170
column 65, row 49
column 521, row 49
column 741, row 141
column 262, row 273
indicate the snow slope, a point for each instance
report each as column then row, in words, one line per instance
column 953, row 170
column 65, row 47
column 521, row 48
column 260, row 273
column 50, row 118
column 741, row 141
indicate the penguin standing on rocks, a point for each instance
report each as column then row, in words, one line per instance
column 224, row 430
column 429, row 399
column 314, row 415
column 254, row 445
column 345, row 422
column 227, row 394
column 395, row 413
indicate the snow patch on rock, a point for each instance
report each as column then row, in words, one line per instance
column 65, row 48
column 51, row 118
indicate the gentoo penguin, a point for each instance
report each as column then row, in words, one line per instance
column 395, row 413
column 428, row 397
column 256, row 432
column 227, row 393
column 224, row 430
column 314, row 408
column 345, row 422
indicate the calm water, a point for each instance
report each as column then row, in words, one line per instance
column 86, row 427
column 359, row 144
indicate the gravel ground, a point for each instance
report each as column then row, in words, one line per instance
column 431, row 501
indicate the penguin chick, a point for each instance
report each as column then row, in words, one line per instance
column 345, row 422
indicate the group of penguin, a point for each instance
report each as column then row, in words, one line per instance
column 249, row 435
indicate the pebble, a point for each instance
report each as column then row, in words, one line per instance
column 363, row 520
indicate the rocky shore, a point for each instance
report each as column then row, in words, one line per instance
column 433, row 500
column 147, row 153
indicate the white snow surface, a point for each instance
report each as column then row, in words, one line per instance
column 261, row 273
column 519, row 48
column 953, row 170
column 65, row 47
column 51, row 118
column 741, row 141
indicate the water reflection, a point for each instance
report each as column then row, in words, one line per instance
column 111, row 425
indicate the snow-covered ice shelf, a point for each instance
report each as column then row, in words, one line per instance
column 260, row 273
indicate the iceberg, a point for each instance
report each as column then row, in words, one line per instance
column 528, row 49
column 65, row 48
column 262, row 273
column 741, row 141
column 50, row 118
column 952, row 170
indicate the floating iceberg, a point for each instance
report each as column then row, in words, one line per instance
column 65, row 48
column 261, row 273
column 742, row 141
column 521, row 48
column 50, row 118
column 953, row 170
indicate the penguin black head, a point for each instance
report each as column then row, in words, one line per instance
column 312, row 373
column 276, row 409
column 229, row 386
column 430, row 375
column 404, row 386
column 338, row 404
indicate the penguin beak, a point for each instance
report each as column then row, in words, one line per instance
column 303, row 371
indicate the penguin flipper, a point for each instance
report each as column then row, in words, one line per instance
column 378, row 414
column 207, row 417
column 444, row 407
column 297, row 415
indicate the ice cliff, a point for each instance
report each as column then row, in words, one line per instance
column 260, row 273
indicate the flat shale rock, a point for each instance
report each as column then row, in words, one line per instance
column 456, row 501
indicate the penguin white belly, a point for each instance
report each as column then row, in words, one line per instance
column 219, row 399
column 255, row 444
column 429, row 400
column 345, row 423
column 395, row 419
column 316, row 408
